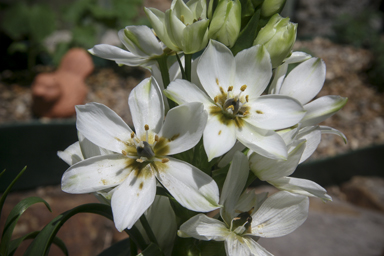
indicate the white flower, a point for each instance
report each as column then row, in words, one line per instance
column 140, row 158
column 303, row 83
column 278, row 215
column 276, row 172
column 236, row 109
column 143, row 47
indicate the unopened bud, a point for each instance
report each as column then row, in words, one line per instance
column 271, row 7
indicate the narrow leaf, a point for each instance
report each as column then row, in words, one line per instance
column 121, row 248
column 12, row 219
column 152, row 250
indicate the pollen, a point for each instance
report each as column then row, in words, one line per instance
column 132, row 135
column 124, row 152
column 146, row 127
column 230, row 88
column 231, row 107
column 246, row 98
column 220, row 132
column 139, row 160
column 165, row 160
column 242, row 88
column 217, row 81
column 216, row 99
column 259, row 112
column 222, row 90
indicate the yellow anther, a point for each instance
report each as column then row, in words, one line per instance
column 165, row 160
column 217, row 81
column 146, row 127
column 139, row 160
column 124, row 153
column 216, row 99
column 230, row 88
column 221, row 90
column 231, row 107
column 259, row 112
column 156, row 138
column 245, row 113
column 242, row 88
column 246, row 98
column 132, row 135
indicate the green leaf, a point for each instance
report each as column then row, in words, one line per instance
column 14, row 244
column 42, row 22
column 12, row 219
column 121, row 248
column 248, row 34
column 152, row 250
column 6, row 192
column 43, row 241
column 15, row 21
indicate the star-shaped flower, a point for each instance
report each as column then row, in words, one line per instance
column 141, row 157
column 233, row 85
column 247, row 216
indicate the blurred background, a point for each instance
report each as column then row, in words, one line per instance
column 346, row 34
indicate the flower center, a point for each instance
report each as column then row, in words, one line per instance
column 145, row 150
column 242, row 223
column 232, row 105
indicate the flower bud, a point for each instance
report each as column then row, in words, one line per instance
column 278, row 37
column 226, row 22
column 271, row 7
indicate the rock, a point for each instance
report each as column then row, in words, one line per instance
column 56, row 94
column 367, row 192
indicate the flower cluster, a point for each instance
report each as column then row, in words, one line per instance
column 220, row 105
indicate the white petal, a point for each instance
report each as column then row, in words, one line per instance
column 162, row 220
column 280, row 215
column 140, row 40
column 274, row 112
column 322, row 108
column 302, row 187
column 102, row 126
column 190, row 119
column 117, row 54
column 312, row 135
column 233, row 186
column 227, row 158
column 269, row 169
column 72, row 154
column 297, row 57
column 254, row 69
column 264, row 142
column 132, row 198
column 181, row 91
column 330, row 130
column 216, row 68
column 147, row 107
column 235, row 246
column 218, row 138
column 305, row 81
column 90, row 149
column 203, row 228
column 94, row 174
column 278, row 79
column 191, row 187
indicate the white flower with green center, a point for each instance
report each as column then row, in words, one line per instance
column 233, row 86
column 142, row 44
column 141, row 157
column 247, row 216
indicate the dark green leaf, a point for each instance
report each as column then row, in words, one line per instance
column 12, row 219
column 152, row 250
column 121, row 248
column 14, row 244
column 6, row 192
column 15, row 21
column 42, row 22
column 43, row 241
column 248, row 34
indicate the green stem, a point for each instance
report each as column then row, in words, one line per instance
column 188, row 66
column 133, row 247
column 164, row 70
column 181, row 66
column 135, row 235
column 148, row 229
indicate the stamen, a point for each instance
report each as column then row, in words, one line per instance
column 230, row 88
column 146, row 127
column 124, row 152
column 139, row 160
column 222, row 90
column 217, row 81
column 246, row 98
column 132, row 135
column 215, row 99
column 165, row 160
column 242, row 88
